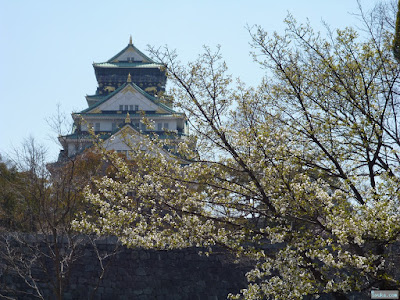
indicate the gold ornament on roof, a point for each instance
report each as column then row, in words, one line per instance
column 127, row 119
column 130, row 39
column 129, row 78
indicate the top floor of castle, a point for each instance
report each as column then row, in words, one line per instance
column 149, row 75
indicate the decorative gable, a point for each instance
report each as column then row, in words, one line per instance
column 128, row 98
column 127, row 139
column 130, row 54
column 124, row 140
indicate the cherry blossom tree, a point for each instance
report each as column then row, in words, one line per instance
column 308, row 162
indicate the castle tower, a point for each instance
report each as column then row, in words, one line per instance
column 131, row 86
column 145, row 73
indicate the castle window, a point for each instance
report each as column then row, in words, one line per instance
column 159, row 126
column 130, row 107
column 166, row 125
column 121, row 107
column 126, row 107
column 97, row 127
column 136, row 107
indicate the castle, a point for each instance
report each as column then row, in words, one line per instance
column 131, row 88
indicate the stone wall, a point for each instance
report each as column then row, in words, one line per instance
column 141, row 274
column 150, row 274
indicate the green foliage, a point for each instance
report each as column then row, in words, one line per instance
column 9, row 201
column 36, row 196
column 38, row 201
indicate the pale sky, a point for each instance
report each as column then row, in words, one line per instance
column 48, row 47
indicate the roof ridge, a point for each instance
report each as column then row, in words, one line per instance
column 130, row 64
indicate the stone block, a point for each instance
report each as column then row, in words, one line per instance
column 140, row 272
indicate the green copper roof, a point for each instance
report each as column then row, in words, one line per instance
column 131, row 47
column 121, row 59
column 133, row 116
column 151, row 98
column 95, row 97
column 127, row 65
column 105, row 135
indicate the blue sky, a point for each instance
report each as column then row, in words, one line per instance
column 48, row 47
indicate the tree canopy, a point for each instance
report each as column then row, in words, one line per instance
column 38, row 201
column 307, row 162
column 396, row 41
